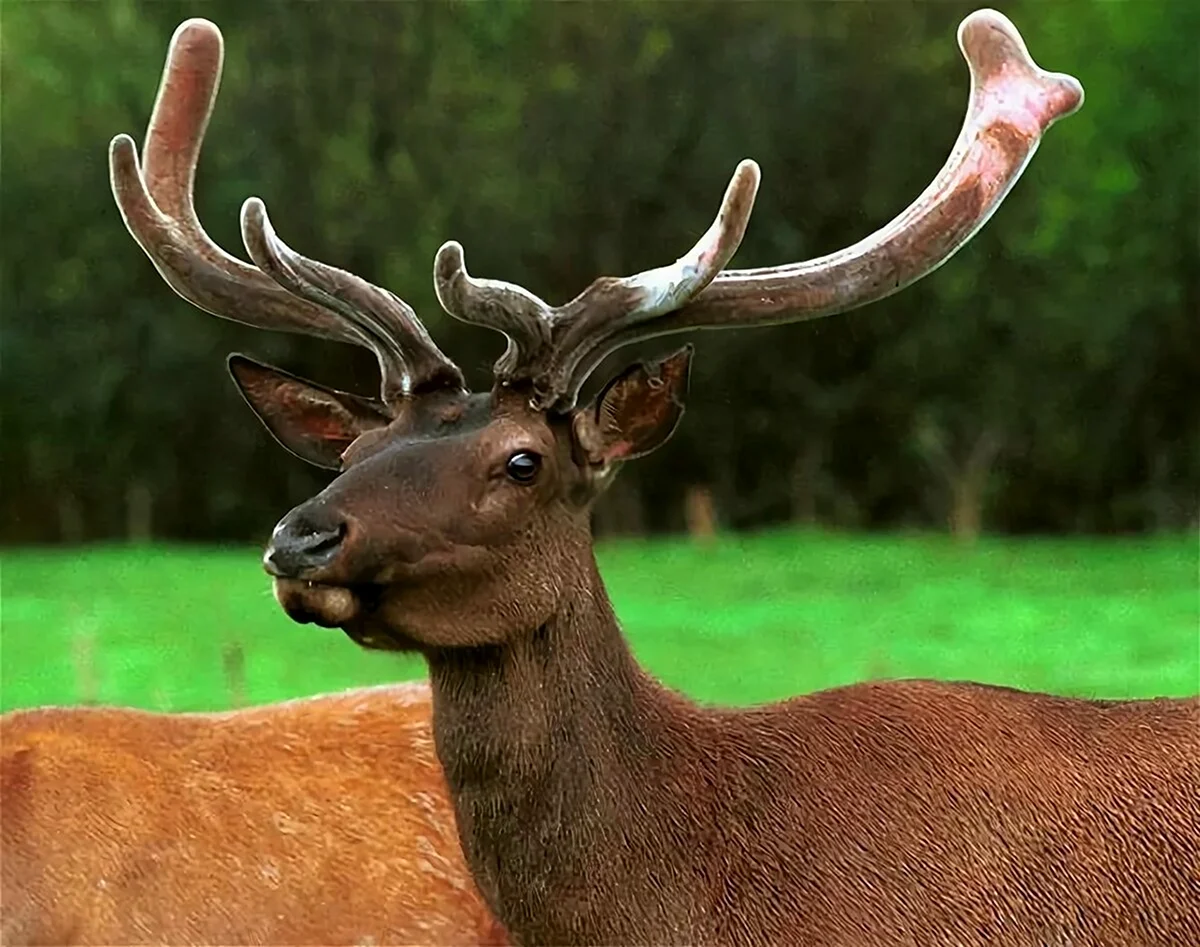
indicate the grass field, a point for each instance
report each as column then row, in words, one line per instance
column 748, row 620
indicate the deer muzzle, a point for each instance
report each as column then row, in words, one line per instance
column 305, row 543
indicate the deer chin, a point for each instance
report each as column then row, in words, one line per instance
column 330, row 606
column 337, row 606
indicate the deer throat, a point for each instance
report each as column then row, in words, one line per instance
column 573, row 776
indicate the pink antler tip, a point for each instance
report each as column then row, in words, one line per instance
column 748, row 167
column 196, row 41
column 196, row 30
column 998, row 58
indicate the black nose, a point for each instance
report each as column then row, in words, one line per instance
column 303, row 542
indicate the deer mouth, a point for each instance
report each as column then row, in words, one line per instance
column 337, row 606
column 330, row 606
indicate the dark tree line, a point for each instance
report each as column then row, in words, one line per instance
column 1044, row 379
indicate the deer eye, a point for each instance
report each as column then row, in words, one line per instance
column 523, row 466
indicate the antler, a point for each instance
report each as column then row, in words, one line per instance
column 537, row 331
column 1012, row 103
column 290, row 292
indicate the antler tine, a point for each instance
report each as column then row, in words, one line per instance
column 541, row 336
column 1012, row 104
column 379, row 315
column 157, row 205
column 524, row 318
column 609, row 307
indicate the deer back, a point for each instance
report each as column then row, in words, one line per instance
column 322, row 820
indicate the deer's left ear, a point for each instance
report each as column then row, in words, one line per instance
column 635, row 413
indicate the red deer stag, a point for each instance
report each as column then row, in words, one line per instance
column 319, row 821
column 594, row 805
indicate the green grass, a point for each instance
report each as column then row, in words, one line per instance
column 751, row 619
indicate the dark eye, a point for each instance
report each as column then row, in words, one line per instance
column 523, row 466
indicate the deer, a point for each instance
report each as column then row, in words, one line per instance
column 593, row 804
column 324, row 820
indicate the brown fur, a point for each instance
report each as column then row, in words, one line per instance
column 317, row 821
column 596, row 807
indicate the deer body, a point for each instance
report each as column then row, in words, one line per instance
column 596, row 807
column 317, row 821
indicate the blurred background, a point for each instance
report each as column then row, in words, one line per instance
column 991, row 475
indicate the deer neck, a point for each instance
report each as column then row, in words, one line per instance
column 566, row 764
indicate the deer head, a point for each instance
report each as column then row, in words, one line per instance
column 461, row 519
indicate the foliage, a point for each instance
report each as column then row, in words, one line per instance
column 752, row 619
column 563, row 141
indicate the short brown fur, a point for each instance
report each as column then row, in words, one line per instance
column 318, row 821
column 900, row 813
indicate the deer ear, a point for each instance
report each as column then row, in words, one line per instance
column 313, row 422
column 636, row 412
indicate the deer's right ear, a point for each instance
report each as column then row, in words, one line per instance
column 313, row 422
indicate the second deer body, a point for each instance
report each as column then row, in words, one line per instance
column 316, row 821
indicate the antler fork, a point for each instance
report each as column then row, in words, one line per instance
column 287, row 291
